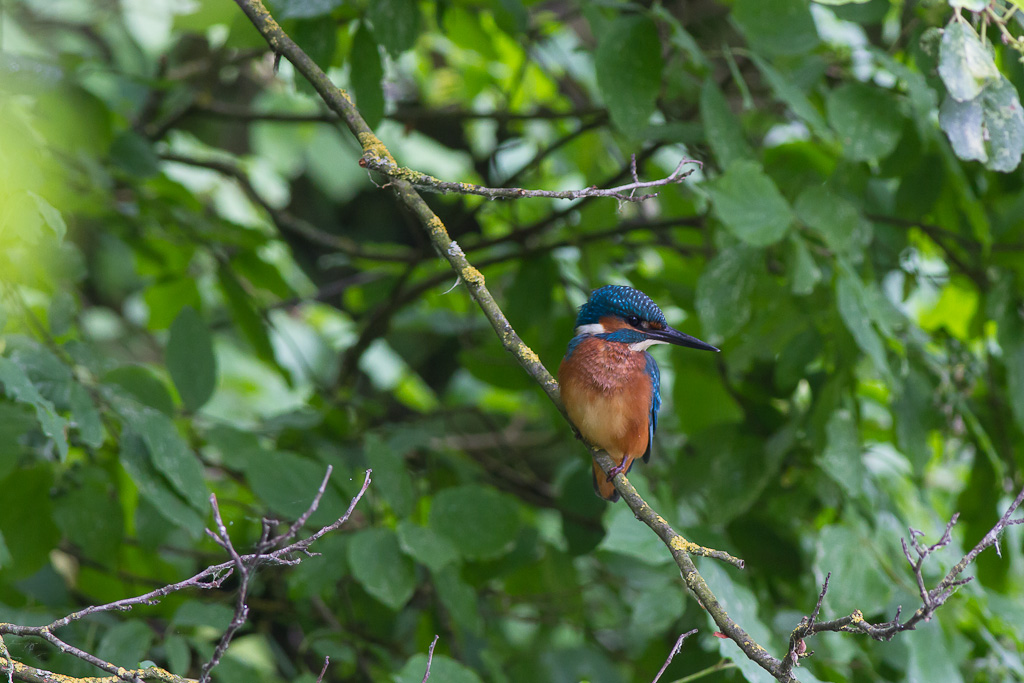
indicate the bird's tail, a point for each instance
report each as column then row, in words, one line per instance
column 602, row 486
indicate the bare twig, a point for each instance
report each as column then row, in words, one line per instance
column 327, row 660
column 430, row 659
column 671, row 655
column 626, row 193
column 931, row 600
column 241, row 613
column 301, row 521
column 211, row 577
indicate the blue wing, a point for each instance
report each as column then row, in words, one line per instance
column 654, row 372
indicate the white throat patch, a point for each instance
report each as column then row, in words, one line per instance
column 593, row 328
column 642, row 346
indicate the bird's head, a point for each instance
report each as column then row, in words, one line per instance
column 627, row 315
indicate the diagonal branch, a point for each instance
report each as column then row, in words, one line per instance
column 404, row 183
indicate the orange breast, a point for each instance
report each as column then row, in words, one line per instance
column 607, row 394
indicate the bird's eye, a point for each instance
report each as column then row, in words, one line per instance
column 633, row 320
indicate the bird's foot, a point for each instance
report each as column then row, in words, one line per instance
column 617, row 470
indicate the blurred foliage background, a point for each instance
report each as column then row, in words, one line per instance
column 203, row 292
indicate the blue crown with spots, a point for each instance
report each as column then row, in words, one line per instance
column 619, row 301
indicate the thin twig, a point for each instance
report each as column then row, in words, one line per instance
column 625, row 193
column 430, row 659
column 327, row 660
column 931, row 600
column 241, row 613
column 211, row 577
column 671, row 655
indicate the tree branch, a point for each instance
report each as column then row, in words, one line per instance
column 211, row 577
column 404, row 183
column 931, row 600
column 625, row 193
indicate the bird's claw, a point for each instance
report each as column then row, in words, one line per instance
column 615, row 471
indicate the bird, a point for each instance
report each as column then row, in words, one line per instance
column 610, row 384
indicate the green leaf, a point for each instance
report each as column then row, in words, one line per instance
column 190, row 358
column 747, row 202
column 168, row 451
column 319, row 40
column 165, row 301
column 27, row 521
column 179, row 654
column 845, row 550
column 932, row 657
column 378, row 564
column 841, row 460
column 722, row 129
column 134, row 154
column 778, row 27
column 143, row 385
column 1011, row 341
column 866, row 120
column 459, row 599
column 287, row 483
column 989, row 128
column 246, row 317
column 806, row 274
column 655, row 610
column 305, row 9
column 443, row 668
column 6, row 559
column 51, row 216
column 1003, row 126
column 834, row 218
column 702, row 400
column 965, row 66
column 367, row 73
column 196, row 614
column 786, row 91
column 626, row 536
column 136, row 461
column 424, row 544
column 723, row 298
column 856, row 312
column 19, row 387
column 480, row 522
column 90, row 516
column 125, row 644
column 396, row 24
column 628, row 63
column 387, row 460
column 964, row 126
column 913, row 410
column 741, row 604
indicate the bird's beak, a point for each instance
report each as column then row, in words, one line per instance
column 673, row 336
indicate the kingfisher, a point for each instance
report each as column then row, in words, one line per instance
column 611, row 385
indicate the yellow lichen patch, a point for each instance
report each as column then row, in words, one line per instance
column 680, row 543
column 472, row 276
column 528, row 353
column 857, row 616
column 437, row 229
column 372, row 146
